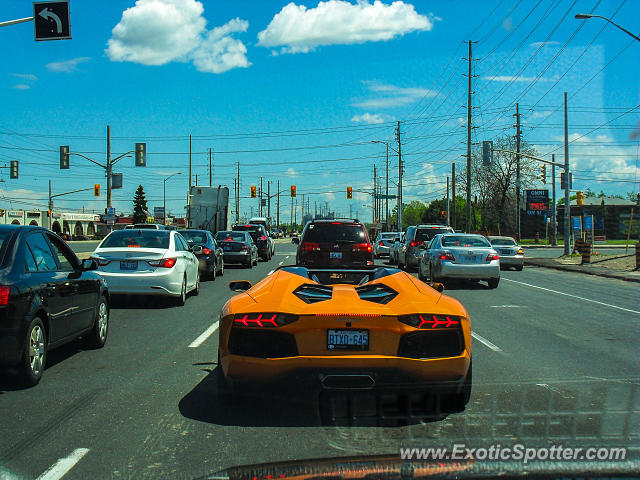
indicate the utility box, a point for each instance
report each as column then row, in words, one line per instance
column 208, row 208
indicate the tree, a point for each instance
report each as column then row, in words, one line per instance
column 494, row 186
column 139, row 206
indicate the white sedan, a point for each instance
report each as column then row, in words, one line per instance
column 148, row 262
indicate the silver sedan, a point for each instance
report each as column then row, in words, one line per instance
column 461, row 256
column 511, row 254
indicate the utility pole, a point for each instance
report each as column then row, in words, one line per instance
column 468, row 229
column 278, row 206
column 375, row 200
column 238, row 195
column 50, row 205
column 400, row 229
column 448, row 204
column 189, row 191
column 269, row 201
column 260, row 196
column 553, row 199
column 108, row 169
column 518, row 133
column 210, row 168
column 386, row 200
column 453, row 195
column 567, row 183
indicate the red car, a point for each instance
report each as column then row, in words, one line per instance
column 334, row 242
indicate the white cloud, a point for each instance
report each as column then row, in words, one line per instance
column 389, row 96
column 369, row 118
column 156, row 32
column 30, row 77
column 220, row 52
column 298, row 29
column 546, row 44
column 66, row 66
column 22, row 86
column 291, row 172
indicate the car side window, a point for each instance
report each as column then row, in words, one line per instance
column 180, row 245
column 45, row 261
column 29, row 261
column 65, row 260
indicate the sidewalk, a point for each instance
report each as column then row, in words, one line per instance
column 601, row 271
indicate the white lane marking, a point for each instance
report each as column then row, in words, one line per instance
column 62, row 466
column 204, row 335
column 270, row 272
column 573, row 296
column 508, row 306
column 486, row 342
column 280, row 263
column 286, row 257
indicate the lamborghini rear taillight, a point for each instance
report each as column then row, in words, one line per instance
column 492, row 256
column 4, row 295
column 163, row 263
column 262, row 320
column 430, row 321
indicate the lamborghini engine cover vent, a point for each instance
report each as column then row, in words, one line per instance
column 378, row 293
column 313, row 293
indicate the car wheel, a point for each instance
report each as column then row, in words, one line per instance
column 420, row 275
column 98, row 335
column 432, row 277
column 249, row 264
column 400, row 265
column 196, row 291
column 493, row 282
column 221, row 271
column 34, row 357
column 182, row 299
column 213, row 272
column 458, row 401
column 255, row 262
column 519, row 268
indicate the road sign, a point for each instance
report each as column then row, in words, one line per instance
column 382, row 196
column 158, row 212
column 111, row 211
column 51, row 20
column 588, row 222
column 537, row 202
column 576, row 224
column 111, row 221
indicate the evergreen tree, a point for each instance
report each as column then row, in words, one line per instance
column 139, row 206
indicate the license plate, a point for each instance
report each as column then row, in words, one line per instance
column 469, row 258
column 128, row 265
column 505, row 251
column 335, row 254
column 228, row 248
column 348, row 339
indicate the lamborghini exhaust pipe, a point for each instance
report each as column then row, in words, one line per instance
column 347, row 381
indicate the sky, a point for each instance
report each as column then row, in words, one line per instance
column 298, row 93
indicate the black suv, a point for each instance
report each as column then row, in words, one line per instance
column 260, row 238
column 334, row 242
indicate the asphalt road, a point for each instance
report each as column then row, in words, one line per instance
column 555, row 361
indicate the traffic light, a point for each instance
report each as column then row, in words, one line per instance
column 293, row 190
column 349, row 193
column 563, row 181
column 253, row 191
column 443, row 214
column 96, row 189
column 580, row 199
column 487, row 153
column 141, row 154
column 64, row 157
column 543, row 173
column 13, row 171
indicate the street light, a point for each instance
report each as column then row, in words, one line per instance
column 164, row 194
column 586, row 16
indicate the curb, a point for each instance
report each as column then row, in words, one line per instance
column 568, row 268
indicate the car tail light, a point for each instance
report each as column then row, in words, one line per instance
column 262, row 238
column 381, row 243
column 102, row 262
column 206, row 251
column 133, row 246
column 163, row 262
column 416, row 244
column 430, row 321
column 262, row 320
column 447, row 256
column 4, row 295
column 362, row 247
column 310, row 247
column 492, row 256
column 244, row 247
column 520, row 252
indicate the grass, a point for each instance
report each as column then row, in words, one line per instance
column 531, row 241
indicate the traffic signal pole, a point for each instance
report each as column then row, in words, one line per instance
column 109, row 167
column 567, row 183
column 554, row 226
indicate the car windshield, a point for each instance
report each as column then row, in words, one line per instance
column 464, row 241
column 327, row 232
column 132, row 238
column 503, row 242
column 426, row 234
column 194, row 236
column 388, row 236
column 230, row 236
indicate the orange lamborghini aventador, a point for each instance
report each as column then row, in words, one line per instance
column 342, row 328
